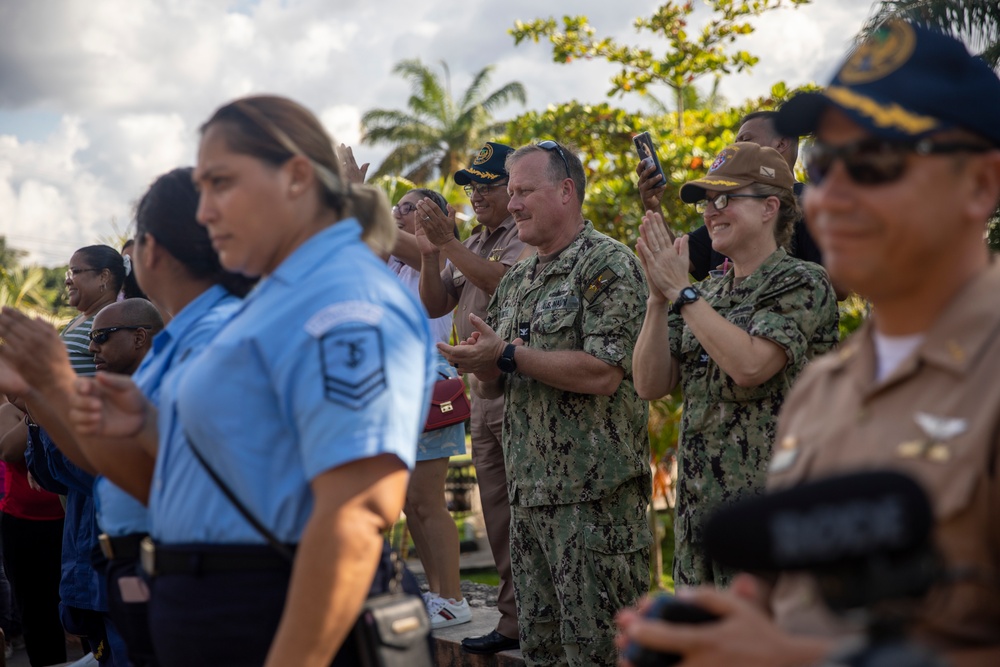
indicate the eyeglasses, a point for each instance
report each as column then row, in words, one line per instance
column 71, row 272
column 405, row 208
column 553, row 146
column 482, row 189
column 101, row 336
column 722, row 201
column 876, row 161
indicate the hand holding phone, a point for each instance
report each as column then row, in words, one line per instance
column 647, row 152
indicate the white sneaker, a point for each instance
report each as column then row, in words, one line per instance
column 445, row 613
column 428, row 596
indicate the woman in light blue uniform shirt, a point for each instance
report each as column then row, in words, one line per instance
column 307, row 404
column 176, row 265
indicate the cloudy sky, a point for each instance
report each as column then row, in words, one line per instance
column 99, row 97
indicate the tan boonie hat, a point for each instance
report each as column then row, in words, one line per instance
column 738, row 166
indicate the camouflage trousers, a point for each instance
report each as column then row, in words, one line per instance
column 574, row 567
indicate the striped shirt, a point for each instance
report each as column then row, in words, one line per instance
column 77, row 342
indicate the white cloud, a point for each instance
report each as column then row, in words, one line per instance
column 132, row 80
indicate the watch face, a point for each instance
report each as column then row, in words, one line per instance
column 689, row 293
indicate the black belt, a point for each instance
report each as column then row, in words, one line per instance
column 120, row 548
column 158, row 560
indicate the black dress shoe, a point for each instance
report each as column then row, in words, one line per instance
column 491, row 643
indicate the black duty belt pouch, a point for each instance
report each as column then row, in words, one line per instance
column 392, row 629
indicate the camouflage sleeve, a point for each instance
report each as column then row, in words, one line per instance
column 614, row 304
column 799, row 313
column 675, row 331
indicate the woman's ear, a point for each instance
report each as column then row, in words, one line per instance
column 301, row 173
column 771, row 207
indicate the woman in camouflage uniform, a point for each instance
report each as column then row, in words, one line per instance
column 737, row 340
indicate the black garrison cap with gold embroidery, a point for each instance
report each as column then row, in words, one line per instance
column 905, row 82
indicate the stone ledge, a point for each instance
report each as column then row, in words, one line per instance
column 448, row 643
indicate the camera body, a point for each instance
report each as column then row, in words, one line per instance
column 670, row 609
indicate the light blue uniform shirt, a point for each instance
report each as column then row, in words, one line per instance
column 118, row 513
column 329, row 360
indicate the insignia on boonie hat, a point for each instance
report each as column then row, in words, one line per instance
column 737, row 166
column 489, row 165
column 903, row 82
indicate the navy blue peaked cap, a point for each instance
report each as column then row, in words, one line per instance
column 904, row 82
column 489, row 165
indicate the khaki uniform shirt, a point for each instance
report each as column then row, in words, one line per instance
column 727, row 431
column 562, row 447
column 500, row 245
column 937, row 418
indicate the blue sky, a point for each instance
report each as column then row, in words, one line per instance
column 99, row 97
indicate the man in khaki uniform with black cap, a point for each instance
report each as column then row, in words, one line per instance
column 474, row 269
column 905, row 173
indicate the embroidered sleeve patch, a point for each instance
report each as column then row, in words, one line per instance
column 605, row 279
column 353, row 362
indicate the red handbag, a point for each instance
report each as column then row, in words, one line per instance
column 449, row 404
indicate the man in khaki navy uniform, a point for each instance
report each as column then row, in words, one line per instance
column 558, row 346
column 474, row 269
column 905, row 174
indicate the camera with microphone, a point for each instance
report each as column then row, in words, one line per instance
column 865, row 538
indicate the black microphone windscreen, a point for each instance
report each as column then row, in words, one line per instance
column 823, row 523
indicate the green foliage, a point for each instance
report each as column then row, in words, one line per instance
column 854, row 310
column 689, row 54
column 602, row 135
column 993, row 232
column 436, row 134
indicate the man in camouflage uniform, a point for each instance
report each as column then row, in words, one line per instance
column 558, row 347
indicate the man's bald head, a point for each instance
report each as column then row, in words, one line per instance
column 122, row 333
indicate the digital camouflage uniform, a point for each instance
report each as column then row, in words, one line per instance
column 727, row 430
column 577, row 464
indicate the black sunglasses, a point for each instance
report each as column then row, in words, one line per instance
column 875, row 161
column 100, row 336
column 550, row 145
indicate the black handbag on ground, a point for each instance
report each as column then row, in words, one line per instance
column 392, row 629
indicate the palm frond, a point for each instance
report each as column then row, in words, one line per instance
column 975, row 22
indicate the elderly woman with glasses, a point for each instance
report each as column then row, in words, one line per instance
column 95, row 275
column 736, row 341
column 433, row 529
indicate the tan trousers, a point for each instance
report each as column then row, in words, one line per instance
column 487, row 455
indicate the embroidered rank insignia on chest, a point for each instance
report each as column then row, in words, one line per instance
column 605, row 279
column 353, row 361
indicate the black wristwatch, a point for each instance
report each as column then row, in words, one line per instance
column 506, row 361
column 688, row 295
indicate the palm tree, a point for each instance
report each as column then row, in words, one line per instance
column 23, row 288
column 975, row 22
column 435, row 135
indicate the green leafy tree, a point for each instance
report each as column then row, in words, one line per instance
column 436, row 134
column 689, row 54
column 976, row 22
column 603, row 135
